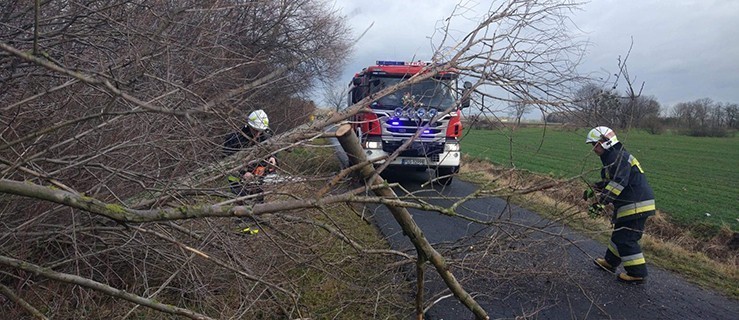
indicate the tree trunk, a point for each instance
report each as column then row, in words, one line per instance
column 350, row 143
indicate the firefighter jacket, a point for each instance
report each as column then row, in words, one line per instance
column 237, row 141
column 625, row 185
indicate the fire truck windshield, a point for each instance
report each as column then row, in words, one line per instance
column 433, row 93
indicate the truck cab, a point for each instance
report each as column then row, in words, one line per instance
column 411, row 113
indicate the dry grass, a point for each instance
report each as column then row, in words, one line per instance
column 710, row 262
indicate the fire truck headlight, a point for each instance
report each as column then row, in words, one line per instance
column 432, row 113
column 398, row 112
column 451, row 147
column 421, row 113
column 374, row 145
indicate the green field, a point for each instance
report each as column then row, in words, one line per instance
column 695, row 179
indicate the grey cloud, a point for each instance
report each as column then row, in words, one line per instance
column 683, row 49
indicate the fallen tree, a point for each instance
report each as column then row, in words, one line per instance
column 112, row 177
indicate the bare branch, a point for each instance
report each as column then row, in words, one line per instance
column 94, row 285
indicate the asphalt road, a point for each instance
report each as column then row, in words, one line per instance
column 513, row 271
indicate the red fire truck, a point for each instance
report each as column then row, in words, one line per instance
column 399, row 116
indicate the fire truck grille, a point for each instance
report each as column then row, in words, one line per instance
column 413, row 130
column 416, row 149
column 408, row 127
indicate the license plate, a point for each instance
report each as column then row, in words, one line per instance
column 416, row 162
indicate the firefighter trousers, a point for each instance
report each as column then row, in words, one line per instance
column 624, row 247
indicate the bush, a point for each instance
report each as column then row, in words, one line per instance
column 706, row 132
column 653, row 125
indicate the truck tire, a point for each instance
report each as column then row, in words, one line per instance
column 447, row 174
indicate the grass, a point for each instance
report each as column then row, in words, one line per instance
column 340, row 282
column 695, row 179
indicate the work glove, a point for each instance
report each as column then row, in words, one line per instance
column 250, row 231
column 588, row 193
column 600, row 185
column 595, row 210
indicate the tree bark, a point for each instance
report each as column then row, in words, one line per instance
column 420, row 262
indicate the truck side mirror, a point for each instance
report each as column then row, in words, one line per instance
column 356, row 81
column 466, row 98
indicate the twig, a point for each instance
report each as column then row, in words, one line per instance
column 101, row 287
column 18, row 300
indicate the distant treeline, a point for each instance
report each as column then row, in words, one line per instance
column 593, row 106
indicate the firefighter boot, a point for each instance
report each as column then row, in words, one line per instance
column 603, row 264
column 623, row 277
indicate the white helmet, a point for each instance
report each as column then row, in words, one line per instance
column 258, row 120
column 602, row 133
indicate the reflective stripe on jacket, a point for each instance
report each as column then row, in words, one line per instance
column 627, row 187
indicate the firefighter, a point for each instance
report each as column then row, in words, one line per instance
column 625, row 186
column 255, row 131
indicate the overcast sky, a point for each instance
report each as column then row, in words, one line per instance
column 683, row 49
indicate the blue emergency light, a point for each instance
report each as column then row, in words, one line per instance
column 390, row 63
column 402, row 63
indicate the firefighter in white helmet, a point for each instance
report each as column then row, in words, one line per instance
column 254, row 132
column 625, row 186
